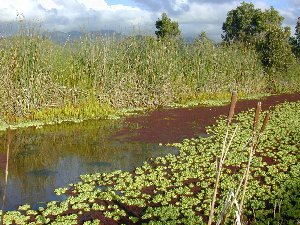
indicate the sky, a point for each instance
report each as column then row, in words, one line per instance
column 133, row 16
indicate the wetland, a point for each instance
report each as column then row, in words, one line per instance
column 46, row 158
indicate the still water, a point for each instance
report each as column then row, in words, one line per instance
column 54, row 156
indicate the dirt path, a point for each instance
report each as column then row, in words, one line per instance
column 173, row 125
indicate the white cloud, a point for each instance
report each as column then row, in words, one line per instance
column 179, row 4
column 193, row 16
column 49, row 4
column 204, row 17
column 10, row 9
column 70, row 15
column 261, row 4
column 94, row 4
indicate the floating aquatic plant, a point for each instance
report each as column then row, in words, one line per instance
column 178, row 189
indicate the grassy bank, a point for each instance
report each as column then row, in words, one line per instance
column 91, row 111
column 93, row 77
column 178, row 189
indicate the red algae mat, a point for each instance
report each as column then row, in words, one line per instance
column 174, row 125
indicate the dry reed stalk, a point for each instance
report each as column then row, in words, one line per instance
column 228, row 203
column 255, row 140
column 256, row 118
column 227, row 207
column 229, row 118
column 220, row 160
column 232, row 106
column 266, row 120
column 9, row 138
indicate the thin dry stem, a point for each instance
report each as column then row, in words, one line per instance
column 266, row 120
column 9, row 138
column 225, row 141
column 246, row 177
column 219, row 163
column 229, row 144
column 255, row 141
column 228, row 203
column 223, row 155
column 256, row 118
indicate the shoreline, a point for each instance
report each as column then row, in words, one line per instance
column 127, row 112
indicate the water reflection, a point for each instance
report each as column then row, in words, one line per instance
column 54, row 156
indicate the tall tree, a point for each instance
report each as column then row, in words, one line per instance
column 275, row 50
column 203, row 40
column 166, row 28
column 295, row 41
column 246, row 23
column 297, row 28
column 264, row 31
column 241, row 23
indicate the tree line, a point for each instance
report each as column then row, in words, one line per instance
column 250, row 27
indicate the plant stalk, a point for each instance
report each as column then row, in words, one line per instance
column 9, row 138
column 223, row 155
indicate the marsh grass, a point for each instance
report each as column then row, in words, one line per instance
column 117, row 72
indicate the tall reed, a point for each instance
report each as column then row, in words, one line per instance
column 135, row 71
column 220, row 160
column 252, row 143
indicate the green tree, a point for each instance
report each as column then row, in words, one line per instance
column 202, row 37
column 246, row 23
column 166, row 28
column 203, row 40
column 241, row 23
column 275, row 50
column 297, row 28
column 264, row 31
column 295, row 41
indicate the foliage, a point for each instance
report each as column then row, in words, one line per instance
column 297, row 32
column 295, row 41
column 245, row 23
column 203, row 39
column 166, row 28
column 91, row 77
column 263, row 31
column 177, row 189
column 275, row 50
column 286, row 81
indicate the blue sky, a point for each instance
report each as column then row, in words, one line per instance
column 124, row 2
column 127, row 16
column 277, row 4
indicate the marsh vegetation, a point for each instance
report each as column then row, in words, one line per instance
column 178, row 189
column 95, row 77
column 107, row 76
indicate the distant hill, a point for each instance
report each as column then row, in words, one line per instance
column 61, row 37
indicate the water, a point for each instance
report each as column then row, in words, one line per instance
column 54, row 156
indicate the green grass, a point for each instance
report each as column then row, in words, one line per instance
column 177, row 189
